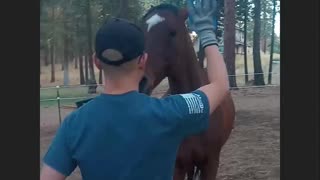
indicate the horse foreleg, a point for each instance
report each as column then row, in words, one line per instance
column 210, row 169
column 191, row 174
column 179, row 174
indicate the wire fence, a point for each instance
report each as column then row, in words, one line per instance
column 62, row 95
column 88, row 85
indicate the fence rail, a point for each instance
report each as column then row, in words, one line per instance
column 58, row 98
column 158, row 93
column 88, row 85
column 252, row 74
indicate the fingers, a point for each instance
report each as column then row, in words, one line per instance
column 190, row 6
column 197, row 6
column 206, row 4
column 200, row 6
column 191, row 22
column 212, row 4
column 191, row 11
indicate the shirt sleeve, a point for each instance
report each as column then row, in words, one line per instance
column 191, row 110
column 58, row 155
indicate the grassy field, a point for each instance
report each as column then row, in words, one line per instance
column 265, row 67
column 48, row 92
column 264, row 62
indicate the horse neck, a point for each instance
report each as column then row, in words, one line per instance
column 186, row 73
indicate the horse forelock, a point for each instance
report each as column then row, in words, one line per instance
column 165, row 7
column 154, row 17
column 154, row 20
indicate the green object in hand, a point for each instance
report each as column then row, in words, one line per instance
column 201, row 13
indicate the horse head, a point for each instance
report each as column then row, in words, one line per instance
column 166, row 38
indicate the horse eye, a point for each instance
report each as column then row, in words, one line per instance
column 173, row 33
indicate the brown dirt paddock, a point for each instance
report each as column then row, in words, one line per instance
column 253, row 150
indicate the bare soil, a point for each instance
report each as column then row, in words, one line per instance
column 251, row 153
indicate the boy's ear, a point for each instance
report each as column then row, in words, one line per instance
column 143, row 61
column 96, row 61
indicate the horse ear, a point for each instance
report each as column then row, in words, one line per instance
column 183, row 13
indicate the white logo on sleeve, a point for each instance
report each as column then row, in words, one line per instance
column 194, row 103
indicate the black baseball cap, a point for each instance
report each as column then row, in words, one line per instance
column 119, row 41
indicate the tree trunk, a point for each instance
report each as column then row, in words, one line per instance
column 86, row 74
column 46, row 63
column 82, row 80
column 46, row 59
column 264, row 40
column 123, row 10
column 80, row 58
column 245, row 42
column 53, row 79
column 61, row 60
column 40, row 67
column 258, row 72
column 51, row 44
column 103, row 14
column 264, row 45
column 229, row 40
column 71, row 49
column 100, row 76
column 65, row 58
column 272, row 41
column 76, row 61
column 72, row 53
column 66, row 44
column 92, row 82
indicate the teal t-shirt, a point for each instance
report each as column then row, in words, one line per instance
column 129, row 136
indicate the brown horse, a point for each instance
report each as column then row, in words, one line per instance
column 171, row 55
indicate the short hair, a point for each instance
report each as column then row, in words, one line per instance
column 120, row 70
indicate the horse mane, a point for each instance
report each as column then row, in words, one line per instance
column 168, row 7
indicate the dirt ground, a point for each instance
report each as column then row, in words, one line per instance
column 251, row 153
